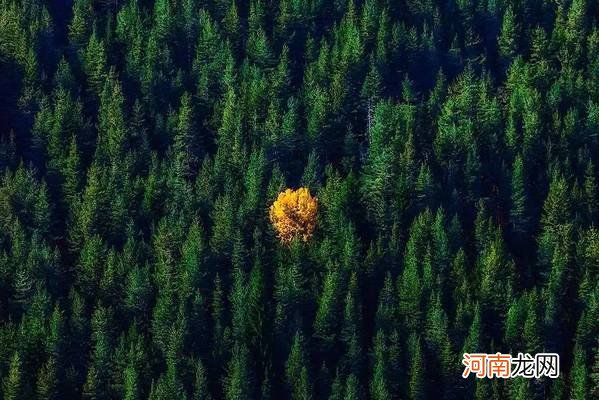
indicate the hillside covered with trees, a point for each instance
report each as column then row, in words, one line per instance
column 452, row 149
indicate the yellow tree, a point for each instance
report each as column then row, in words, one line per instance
column 293, row 214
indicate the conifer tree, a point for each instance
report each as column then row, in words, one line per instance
column 79, row 26
column 508, row 39
column 416, row 388
column 296, row 371
column 200, row 384
column 94, row 62
column 594, row 375
column 378, row 386
column 14, row 382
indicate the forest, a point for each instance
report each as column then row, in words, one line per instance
column 446, row 154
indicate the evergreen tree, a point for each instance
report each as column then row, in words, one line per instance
column 594, row 375
column 508, row 39
column 94, row 62
column 378, row 386
column 579, row 375
column 47, row 386
column 14, row 382
column 518, row 212
column 296, row 371
column 200, row 384
column 183, row 146
column 79, row 26
column 416, row 388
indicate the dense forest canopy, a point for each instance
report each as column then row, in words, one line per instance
column 453, row 147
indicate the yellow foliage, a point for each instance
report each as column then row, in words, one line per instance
column 293, row 214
